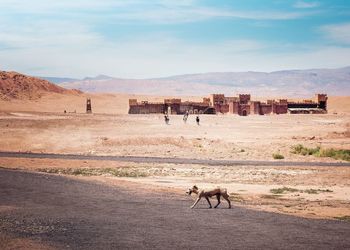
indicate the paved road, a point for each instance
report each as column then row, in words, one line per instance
column 141, row 159
column 69, row 213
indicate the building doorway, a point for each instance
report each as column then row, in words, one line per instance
column 244, row 112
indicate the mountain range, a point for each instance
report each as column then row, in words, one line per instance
column 289, row 83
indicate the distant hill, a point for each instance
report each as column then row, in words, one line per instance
column 14, row 85
column 280, row 83
column 58, row 80
column 97, row 78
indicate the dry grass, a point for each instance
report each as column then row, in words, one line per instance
column 283, row 190
column 125, row 172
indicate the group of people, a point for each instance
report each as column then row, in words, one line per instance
column 167, row 119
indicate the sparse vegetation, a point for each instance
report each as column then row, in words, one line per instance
column 242, row 150
column 293, row 190
column 95, row 171
column 283, row 190
column 338, row 154
column 301, row 150
column 344, row 218
column 316, row 191
column 277, row 156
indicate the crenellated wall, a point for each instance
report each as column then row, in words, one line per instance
column 146, row 108
column 241, row 105
column 244, row 98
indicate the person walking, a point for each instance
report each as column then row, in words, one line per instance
column 197, row 120
column 166, row 119
column 185, row 117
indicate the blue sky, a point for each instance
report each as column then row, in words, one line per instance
column 144, row 38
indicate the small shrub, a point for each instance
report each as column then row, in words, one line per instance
column 301, row 150
column 338, row 154
column 49, row 170
column 277, row 156
column 283, row 190
column 310, row 191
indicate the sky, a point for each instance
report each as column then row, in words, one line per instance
column 148, row 39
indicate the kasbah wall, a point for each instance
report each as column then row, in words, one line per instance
column 240, row 105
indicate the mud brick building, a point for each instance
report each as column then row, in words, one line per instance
column 171, row 106
column 244, row 106
column 240, row 105
column 309, row 106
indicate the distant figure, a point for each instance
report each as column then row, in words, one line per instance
column 197, row 119
column 65, row 111
column 166, row 119
column 185, row 117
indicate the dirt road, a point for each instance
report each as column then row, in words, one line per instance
column 140, row 159
column 60, row 212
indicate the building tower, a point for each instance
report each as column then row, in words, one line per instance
column 322, row 101
column 88, row 106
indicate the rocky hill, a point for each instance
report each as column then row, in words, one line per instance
column 289, row 83
column 14, row 85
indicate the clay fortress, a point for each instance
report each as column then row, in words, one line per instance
column 241, row 105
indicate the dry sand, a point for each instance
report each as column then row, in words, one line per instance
column 41, row 126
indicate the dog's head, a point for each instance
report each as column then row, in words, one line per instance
column 194, row 189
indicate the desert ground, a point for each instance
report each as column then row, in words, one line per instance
column 45, row 211
column 316, row 192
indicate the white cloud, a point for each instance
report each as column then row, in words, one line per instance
column 159, row 11
column 306, row 5
column 339, row 33
column 83, row 53
column 49, row 33
column 40, row 6
column 69, row 47
column 183, row 15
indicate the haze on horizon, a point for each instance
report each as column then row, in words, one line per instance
column 146, row 39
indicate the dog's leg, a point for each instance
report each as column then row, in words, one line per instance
column 218, row 197
column 195, row 203
column 208, row 201
column 225, row 196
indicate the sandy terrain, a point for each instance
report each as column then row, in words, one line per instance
column 218, row 137
column 319, row 192
column 44, row 211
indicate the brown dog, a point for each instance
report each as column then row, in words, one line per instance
column 218, row 192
